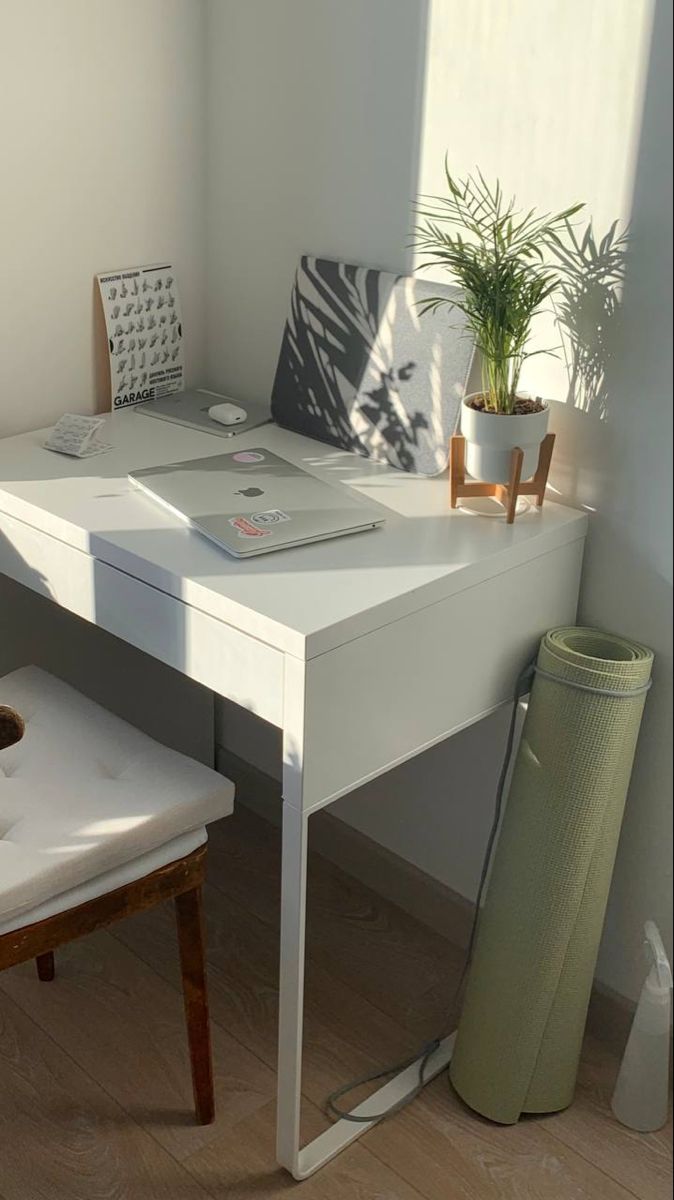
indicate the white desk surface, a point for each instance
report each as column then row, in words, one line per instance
column 303, row 601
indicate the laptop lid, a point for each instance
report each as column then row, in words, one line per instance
column 252, row 501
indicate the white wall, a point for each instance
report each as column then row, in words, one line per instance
column 102, row 135
column 313, row 115
column 102, row 159
column 313, row 142
column 596, row 126
column 628, row 577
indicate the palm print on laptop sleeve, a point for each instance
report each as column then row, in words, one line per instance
column 362, row 369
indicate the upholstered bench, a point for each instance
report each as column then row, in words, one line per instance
column 98, row 821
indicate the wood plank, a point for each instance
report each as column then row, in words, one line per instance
column 345, row 1036
column 116, row 1000
column 375, row 947
column 127, row 1015
column 370, row 944
column 244, row 862
column 239, row 872
column 243, row 1165
column 452, row 1154
column 642, row 1161
column 63, row 1137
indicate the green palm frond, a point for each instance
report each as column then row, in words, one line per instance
column 499, row 256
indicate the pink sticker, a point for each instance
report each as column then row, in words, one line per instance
column 245, row 528
column 248, row 456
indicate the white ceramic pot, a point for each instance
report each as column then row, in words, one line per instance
column 491, row 438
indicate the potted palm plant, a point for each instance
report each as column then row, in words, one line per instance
column 498, row 257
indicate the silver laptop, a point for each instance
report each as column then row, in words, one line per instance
column 252, row 502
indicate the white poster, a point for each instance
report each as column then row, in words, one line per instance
column 145, row 333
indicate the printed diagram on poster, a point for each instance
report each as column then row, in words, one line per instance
column 145, row 333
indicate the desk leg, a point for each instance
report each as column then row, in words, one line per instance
column 291, row 997
column 302, row 1162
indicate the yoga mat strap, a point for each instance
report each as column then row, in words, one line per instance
column 585, row 687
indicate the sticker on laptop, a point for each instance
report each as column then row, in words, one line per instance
column 245, row 529
column 273, row 516
column 248, row 456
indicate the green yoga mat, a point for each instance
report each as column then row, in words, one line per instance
column 528, row 989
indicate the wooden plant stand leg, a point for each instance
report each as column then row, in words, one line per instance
column 513, row 489
column 457, row 468
column 190, row 923
column 540, row 479
column 506, row 493
column 458, row 485
column 45, row 966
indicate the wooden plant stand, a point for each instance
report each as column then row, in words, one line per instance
column 507, row 493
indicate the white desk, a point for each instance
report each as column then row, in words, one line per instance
column 365, row 650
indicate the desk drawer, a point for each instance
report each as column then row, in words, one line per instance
column 377, row 701
column 230, row 663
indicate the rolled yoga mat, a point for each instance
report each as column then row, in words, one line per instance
column 528, row 989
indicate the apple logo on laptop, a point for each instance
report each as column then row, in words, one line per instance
column 251, row 491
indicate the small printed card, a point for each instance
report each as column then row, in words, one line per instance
column 76, row 435
column 145, row 333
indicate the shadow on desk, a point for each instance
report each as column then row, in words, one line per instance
column 158, row 699
column 428, row 545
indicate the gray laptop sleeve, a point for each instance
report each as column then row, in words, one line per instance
column 362, row 369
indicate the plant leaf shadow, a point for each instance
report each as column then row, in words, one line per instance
column 588, row 311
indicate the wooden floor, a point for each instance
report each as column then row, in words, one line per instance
column 95, row 1099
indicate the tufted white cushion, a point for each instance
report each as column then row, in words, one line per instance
column 109, row 881
column 83, row 794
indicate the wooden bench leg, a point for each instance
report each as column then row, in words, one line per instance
column 45, row 966
column 191, row 941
